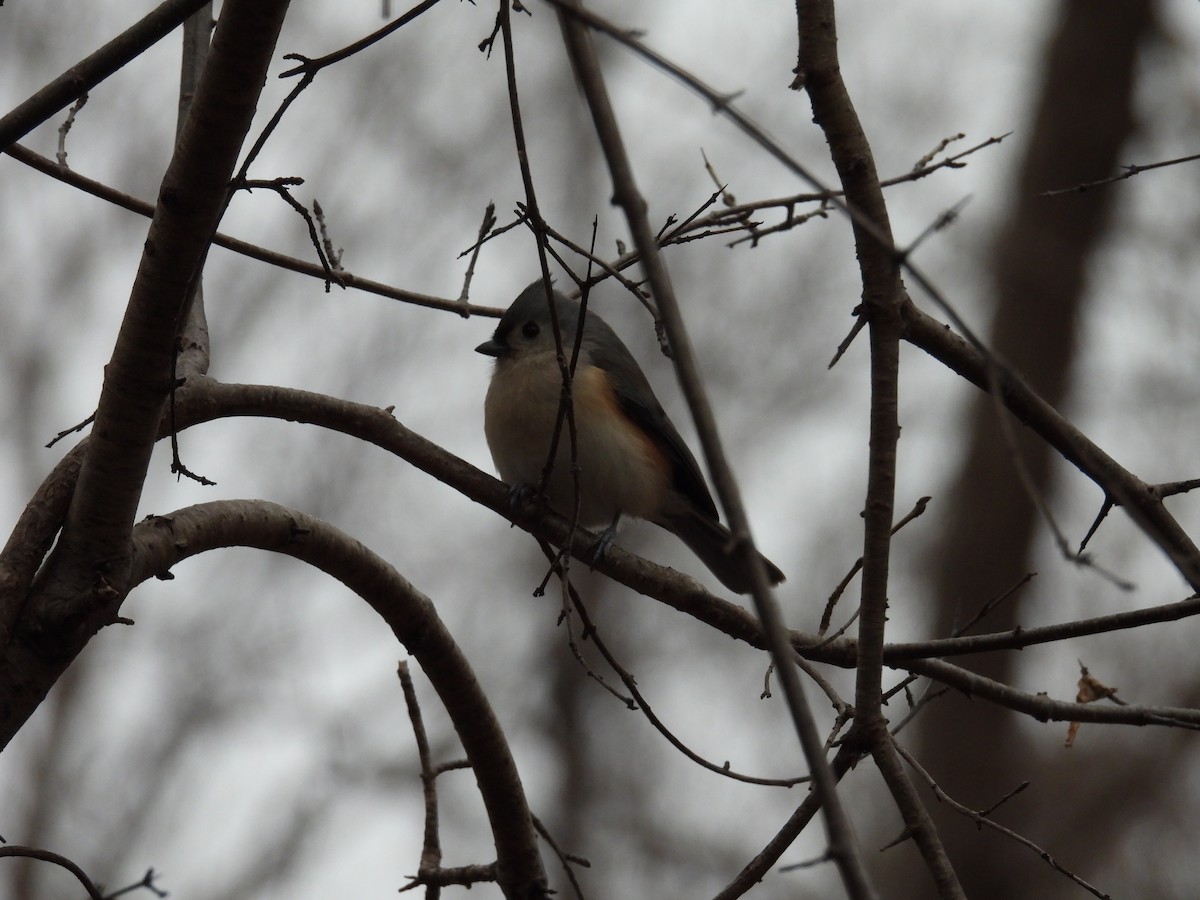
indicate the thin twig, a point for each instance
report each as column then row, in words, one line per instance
column 1167, row 489
column 1034, row 493
column 943, row 221
column 980, row 818
column 489, row 220
column 146, row 882
column 89, row 72
column 640, row 701
column 334, row 256
column 559, row 566
column 917, row 510
column 65, row 128
column 431, row 848
column 989, row 605
column 1128, row 171
column 253, row 251
column 309, row 67
column 930, row 694
column 72, row 430
column 568, row 860
column 566, row 405
column 280, row 186
column 924, row 161
column 860, row 322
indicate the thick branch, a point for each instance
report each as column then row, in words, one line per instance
column 81, row 587
column 191, row 200
column 160, row 542
column 203, row 399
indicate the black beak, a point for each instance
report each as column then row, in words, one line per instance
column 492, row 348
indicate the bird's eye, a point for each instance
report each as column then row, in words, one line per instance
column 531, row 329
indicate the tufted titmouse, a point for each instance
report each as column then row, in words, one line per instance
column 631, row 459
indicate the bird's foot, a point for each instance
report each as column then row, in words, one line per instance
column 522, row 496
column 604, row 540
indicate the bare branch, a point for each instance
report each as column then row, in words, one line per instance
column 568, row 860
column 489, row 221
column 626, row 194
column 15, row 850
column 81, row 588
column 1140, row 503
column 431, row 849
column 980, row 818
column 1127, row 171
column 308, row 67
column 917, row 510
column 65, row 128
column 162, row 541
column 348, row 280
column 86, row 74
column 631, row 685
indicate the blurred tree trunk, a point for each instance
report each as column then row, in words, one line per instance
column 1082, row 117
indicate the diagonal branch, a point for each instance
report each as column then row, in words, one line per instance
column 585, row 64
column 1141, row 503
column 82, row 585
column 86, row 74
column 253, row 251
column 193, row 194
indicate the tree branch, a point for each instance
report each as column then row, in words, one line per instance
column 159, row 542
column 1143, row 505
column 245, row 248
column 586, row 66
column 86, row 74
column 818, row 70
column 84, row 581
column 204, row 399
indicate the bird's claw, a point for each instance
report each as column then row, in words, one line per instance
column 604, row 540
column 521, row 496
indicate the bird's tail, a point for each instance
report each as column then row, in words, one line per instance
column 713, row 543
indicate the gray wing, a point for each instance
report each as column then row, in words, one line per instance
column 637, row 401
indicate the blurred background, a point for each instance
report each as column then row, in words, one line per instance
column 247, row 738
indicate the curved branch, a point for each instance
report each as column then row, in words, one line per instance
column 204, row 399
column 159, row 542
column 18, row 852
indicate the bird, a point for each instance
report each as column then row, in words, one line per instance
column 630, row 458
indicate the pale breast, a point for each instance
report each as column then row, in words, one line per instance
column 620, row 470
